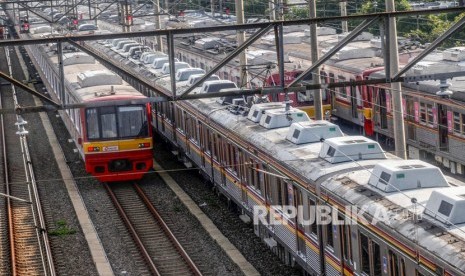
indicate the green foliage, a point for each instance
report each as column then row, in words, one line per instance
column 297, row 13
column 62, row 229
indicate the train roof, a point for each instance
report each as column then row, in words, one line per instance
column 348, row 182
column 89, row 80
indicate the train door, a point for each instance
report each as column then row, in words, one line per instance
column 443, row 130
column 382, row 108
column 222, row 156
column 300, row 229
column 242, row 174
column 203, row 135
column 353, row 100
column 188, row 128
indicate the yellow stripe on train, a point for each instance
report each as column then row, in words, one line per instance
column 117, row 145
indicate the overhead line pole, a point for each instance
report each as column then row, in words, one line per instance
column 398, row 116
column 240, row 40
column 317, row 102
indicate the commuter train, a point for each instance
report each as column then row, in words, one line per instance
column 433, row 120
column 112, row 134
column 272, row 165
column 274, row 159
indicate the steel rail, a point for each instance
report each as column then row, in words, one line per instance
column 167, row 231
column 36, row 209
column 132, row 231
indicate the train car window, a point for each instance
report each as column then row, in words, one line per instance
column 423, row 113
column 234, row 158
column 267, row 185
column 402, row 267
column 279, row 191
column 132, row 121
column 312, row 217
column 376, row 253
column 215, row 146
column 463, row 124
column 254, row 176
column 429, row 109
column 457, row 123
column 208, row 145
column 393, row 264
column 346, row 241
column 108, row 122
column 342, row 91
column 365, row 255
column 92, row 123
column 329, row 235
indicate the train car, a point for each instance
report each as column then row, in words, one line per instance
column 301, row 100
column 282, row 168
column 433, row 119
column 113, row 133
column 274, row 167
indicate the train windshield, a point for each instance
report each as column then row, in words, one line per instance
column 112, row 122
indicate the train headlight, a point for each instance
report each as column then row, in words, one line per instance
column 93, row 149
column 144, row 145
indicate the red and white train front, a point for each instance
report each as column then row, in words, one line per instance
column 117, row 142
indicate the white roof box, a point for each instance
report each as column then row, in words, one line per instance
column 94, row 78
column 321, row 31
column 348, row 148
column 41, row 29
column 325, row 31
column 431, row 67
column 364, row 36
column 77, row 58
column 256, row 57
column 454, row 54
column 275, row 118
column 406, row 175
column 349, row 52
column 309, row 132
column 447, row 205
column 256, row 111
column 207, row 43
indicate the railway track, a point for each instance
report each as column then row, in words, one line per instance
column 162, row 252
column 27, row 251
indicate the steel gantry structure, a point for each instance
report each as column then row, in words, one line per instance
column 383, row 18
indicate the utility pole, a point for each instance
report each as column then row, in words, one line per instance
column 396, row 90
column 212, row 7
column 317, row 102
column 240, row 40
column 343, row 8
column 272, row 8
column 157, row 24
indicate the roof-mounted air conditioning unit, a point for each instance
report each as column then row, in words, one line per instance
column 400, row 175
column 349, row 148
column 310, row 132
